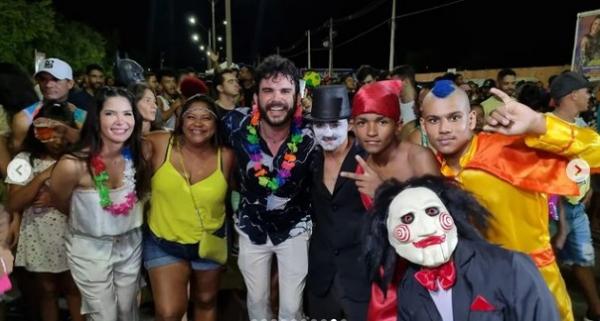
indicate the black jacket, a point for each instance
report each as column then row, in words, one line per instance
column 508, row 280
column 336, row 246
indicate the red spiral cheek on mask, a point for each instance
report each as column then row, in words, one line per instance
column 402, row 233
column 446, row 221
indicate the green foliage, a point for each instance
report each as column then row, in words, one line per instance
column 23, row 24
column 76, row 43
column 29, row 25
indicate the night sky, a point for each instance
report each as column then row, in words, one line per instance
column 471, row 34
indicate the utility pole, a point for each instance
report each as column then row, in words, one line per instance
column 209, row 49
column 330, row 46
column 214, row 30
column 229, row 48
column 392, row 35
column 277, row 50
column 308, row 35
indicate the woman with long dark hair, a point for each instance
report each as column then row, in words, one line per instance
column 40, row 250
column 145, row 102
column 101, row 185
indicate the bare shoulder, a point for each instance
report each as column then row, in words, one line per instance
column 414, row 137
column 69, row 170
column 422, row 160
column 147, row 149
column 70, row 165
column 159, row 140
column 20, row 120
column 158, row 136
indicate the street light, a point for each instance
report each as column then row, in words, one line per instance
column 201, row 48
column 220, row 38
column 225, row 22
column 195, row 37
column 192, row 20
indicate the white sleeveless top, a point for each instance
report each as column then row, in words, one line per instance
column 89, row 218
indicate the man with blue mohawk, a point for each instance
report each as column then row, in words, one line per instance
column 511, row 171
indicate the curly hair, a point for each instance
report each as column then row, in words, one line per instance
column 276, row 65
column 468, row 215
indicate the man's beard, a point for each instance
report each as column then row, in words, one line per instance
column 276, row 123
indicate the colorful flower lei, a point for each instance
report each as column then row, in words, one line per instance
column 101, row 178
column 289, row 159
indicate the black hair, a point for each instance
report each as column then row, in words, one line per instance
column 212, row 106
column 16, row 88
column 533, row 96
column 92, row 67
column 149, row 74
column 364, row 71
column 464, row 209
column 218, row 78
column 53, row 110
column 166, row 72
column 249, row 67
column 404, row 71
column 506, row 72
column 450, row 76
column 92, row 141
column 276, row 65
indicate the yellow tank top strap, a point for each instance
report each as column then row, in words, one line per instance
column 169, row 148
column 219, row 161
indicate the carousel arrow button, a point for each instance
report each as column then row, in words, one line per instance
column 578, row 170
column 18, row 170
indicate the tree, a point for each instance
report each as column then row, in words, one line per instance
column 75, row 43
column 24, row 24
column 30, row 25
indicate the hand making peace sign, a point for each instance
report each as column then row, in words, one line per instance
column 366, row 182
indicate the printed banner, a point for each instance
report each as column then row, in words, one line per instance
column 586, row 52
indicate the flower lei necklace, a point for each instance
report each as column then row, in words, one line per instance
column 101, row 179
column 289, row 159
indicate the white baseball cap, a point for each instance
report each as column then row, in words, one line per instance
column 56, row 67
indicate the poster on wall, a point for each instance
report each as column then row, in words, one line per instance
column 586, row 51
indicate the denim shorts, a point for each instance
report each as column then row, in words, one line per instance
column 159, row 252
column 578, row 248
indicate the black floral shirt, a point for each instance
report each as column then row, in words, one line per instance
column 282, row 214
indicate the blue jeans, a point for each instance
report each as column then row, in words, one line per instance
column 158, row 252
column 578, row 249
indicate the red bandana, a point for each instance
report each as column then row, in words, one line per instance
column 445, row 274
column 379, row 98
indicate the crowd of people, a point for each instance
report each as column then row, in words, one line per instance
column 369, row 197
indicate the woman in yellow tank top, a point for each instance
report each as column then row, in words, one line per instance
column 189, row 188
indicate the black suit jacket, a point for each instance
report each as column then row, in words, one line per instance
column 336, row 245
column 508, row 280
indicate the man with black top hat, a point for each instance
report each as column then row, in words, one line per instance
column 338, row 284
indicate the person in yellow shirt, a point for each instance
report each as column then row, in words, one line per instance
column 510, row 172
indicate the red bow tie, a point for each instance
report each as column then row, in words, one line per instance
column 445, row 274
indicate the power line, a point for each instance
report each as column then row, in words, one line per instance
column 325, row 25
column 361, row 12
column 381, row 24
column 396, row 18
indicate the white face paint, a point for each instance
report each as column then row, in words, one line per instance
column 331, row 135
column 420, row 227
